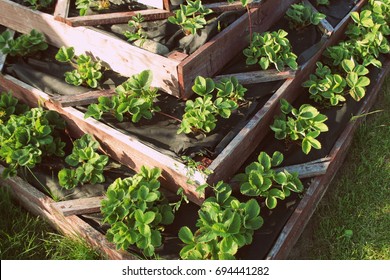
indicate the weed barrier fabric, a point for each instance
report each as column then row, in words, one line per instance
column 160, row 132
column 336, row 10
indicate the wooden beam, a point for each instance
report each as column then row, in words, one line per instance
column 325, row 26
column 153, row 3
column 114, row 18
column 221, row 7
column 255, row 77
column 308, row 169
column 3, row 57
column 61, row 10
column 41, row 205
column 79, row 206
column 82, row 98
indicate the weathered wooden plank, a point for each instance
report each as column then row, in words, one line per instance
column 308, row 169
column 241, row 146
column 302, row 214
column 178, row 56
column 325, row 26
column 220, row 7
column 39, row 204
column 82, row 98
column 114, row 18
column 213, row 55
column 122, row 148
column 79, row 206
column 61, row 10
column 259, row 76
column 121, row 56
column 3, row 57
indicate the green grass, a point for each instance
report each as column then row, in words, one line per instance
column 26, row 237
column 358, row 200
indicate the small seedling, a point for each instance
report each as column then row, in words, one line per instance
column 301, row 15
column 24, row 45
column 139, row 33
column 84, row 5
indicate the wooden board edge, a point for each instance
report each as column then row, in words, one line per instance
column 61, row 9
column 306, row 208
column 116, row 18
column 39, row 204
column 255, row 77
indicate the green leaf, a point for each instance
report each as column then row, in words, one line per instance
column 186, row 236
column 264, row 160
column 271, row 202
column 252, row 208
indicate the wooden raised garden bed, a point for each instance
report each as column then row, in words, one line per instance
column 68, row 218
column 173, row 73
column 133, row 153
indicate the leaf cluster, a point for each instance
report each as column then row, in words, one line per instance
column 84, row 5
column 201, row 114
column 86, row 72
column 261, row 180
column 9, row 105
column 304, row 124
column 322, row 2
column 271, row 48
column 190, row 17
column 87, row 165
column 224, row 225
column 137, row 211
column 26, row 44
column 135, row 97
column 138, row 33
column 25, row 139
column 301, row 15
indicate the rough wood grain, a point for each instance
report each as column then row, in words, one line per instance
column 39, row 204
column 308, row 169
column 61, row 10
column 259, row 76
column 79, row 206
column 302, row 214
column 81, row 99
column 122, row 57
column 115, row 18
column 153, row 3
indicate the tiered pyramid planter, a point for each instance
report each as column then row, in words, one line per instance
column 175, row 76
column 133, row 153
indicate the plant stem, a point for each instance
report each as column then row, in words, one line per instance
column 169, row 116
column 250, row 24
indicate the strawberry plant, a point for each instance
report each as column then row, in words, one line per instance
column 87, row 164
column 135, row 98
column 301, row 15
column 137, row 211
column 326, row 87
column 225, row 225
column 201, row 114
column 271, row 48
column 26, row 44
column 25, row 139
column 304, row 124
column 355, row 78
column 84, row 5
column 87, row 71
column 190, row 17
column 139, row 32
column 9, row 105
column 368, row 37
column 260, row 180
